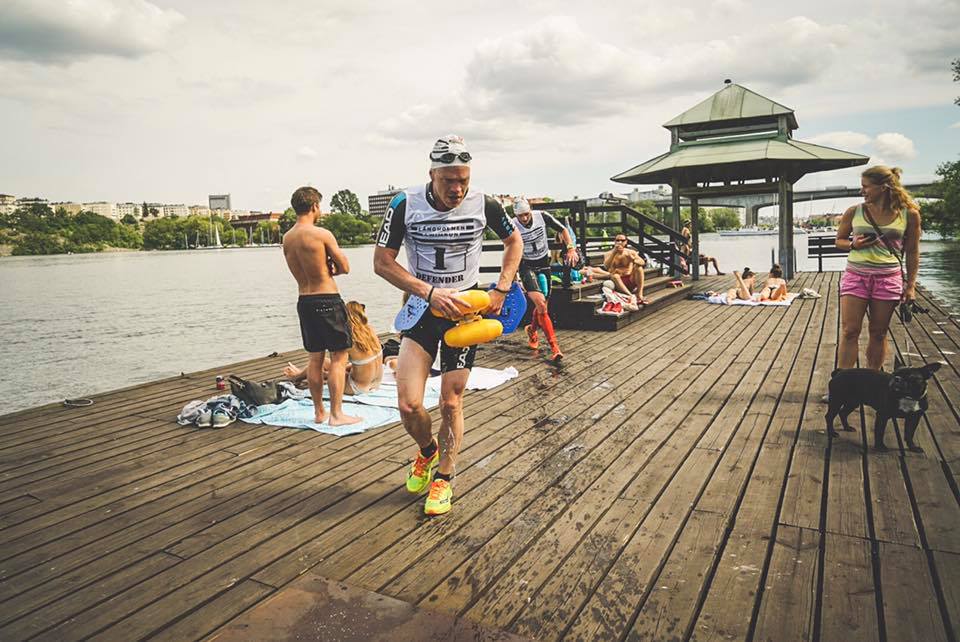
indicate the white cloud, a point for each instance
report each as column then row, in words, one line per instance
column 887, row 147
column 657, row 23
column 956, row 125
column 55, row 31
column 728, row 6
column 554, row 74
column 896, row 147
column 552, row 105
column 306, row 153
column 937, row 21
column 846, row 140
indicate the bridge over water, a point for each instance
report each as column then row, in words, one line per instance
column 752, row 203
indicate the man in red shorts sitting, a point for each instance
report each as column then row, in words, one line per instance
column 625, row 267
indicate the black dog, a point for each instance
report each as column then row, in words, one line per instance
column 901, row 394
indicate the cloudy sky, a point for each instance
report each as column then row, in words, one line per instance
column 172, row 100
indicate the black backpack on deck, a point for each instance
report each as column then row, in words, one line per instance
column 254, row 393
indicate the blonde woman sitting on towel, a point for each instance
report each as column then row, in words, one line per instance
column 365, row 365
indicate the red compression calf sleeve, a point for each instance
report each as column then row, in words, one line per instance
column 544, row 319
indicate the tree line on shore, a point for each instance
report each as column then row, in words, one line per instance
column 38, row 229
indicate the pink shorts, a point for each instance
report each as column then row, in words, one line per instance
column 878, row 287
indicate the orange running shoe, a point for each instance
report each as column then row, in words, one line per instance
column 532, row 339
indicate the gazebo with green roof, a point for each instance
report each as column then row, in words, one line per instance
column 737, row 143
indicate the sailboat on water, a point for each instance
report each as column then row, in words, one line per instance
column 213, row 240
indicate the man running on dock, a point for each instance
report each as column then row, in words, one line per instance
column 441, row 224
column 314, row 258
column 535, row 270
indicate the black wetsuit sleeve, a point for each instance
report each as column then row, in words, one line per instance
column 552, row 222
column 394, row 224
column 497, row 218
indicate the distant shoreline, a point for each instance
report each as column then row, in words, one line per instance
column 7, row 250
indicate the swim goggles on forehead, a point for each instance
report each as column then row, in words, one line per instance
column 449, row 157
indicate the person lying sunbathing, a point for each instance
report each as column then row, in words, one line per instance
column 775, row 288
column 744, row 288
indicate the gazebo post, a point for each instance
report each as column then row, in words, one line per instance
column 695, row 238
column 786, row 227
column 675, row 197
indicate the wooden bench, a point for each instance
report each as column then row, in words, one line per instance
column 822, row 247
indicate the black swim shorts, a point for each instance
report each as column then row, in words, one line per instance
column 529, row 271
column 323, row 323
column 428, row 333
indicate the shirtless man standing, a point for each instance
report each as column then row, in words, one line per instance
column 625, row 268
column 314, row 258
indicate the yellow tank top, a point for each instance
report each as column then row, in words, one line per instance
column 877, row 259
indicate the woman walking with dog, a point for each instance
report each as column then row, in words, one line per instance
column 884, row 228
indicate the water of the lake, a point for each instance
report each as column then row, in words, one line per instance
column 73, row 326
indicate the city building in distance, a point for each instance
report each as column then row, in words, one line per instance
column 103, row 208
column 71, row 208
column 377, row 203
column 220, row 202
column 118, row 211
column 8, row 203
column 507, row 200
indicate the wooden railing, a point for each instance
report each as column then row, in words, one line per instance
column 632, row 224
column 824, row 247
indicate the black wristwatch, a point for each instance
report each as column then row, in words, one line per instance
column 501, row 291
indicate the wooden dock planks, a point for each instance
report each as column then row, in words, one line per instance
column 671, row 481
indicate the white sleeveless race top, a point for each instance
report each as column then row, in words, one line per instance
column 535, row 240
column 444, row 248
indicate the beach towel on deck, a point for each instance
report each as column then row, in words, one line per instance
column 722, row 300
column 376, row 408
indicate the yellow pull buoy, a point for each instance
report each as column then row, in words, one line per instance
column 471, row 328
column 473, row 331
column 477, row 300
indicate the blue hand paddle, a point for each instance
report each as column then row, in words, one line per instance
column 410, row 313
column 514, row 306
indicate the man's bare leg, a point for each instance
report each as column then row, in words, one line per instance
column 638, row 278
column 413, row 368
column 619, row 285
column 315, row 383
column 336, row 383
column 452, row 385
